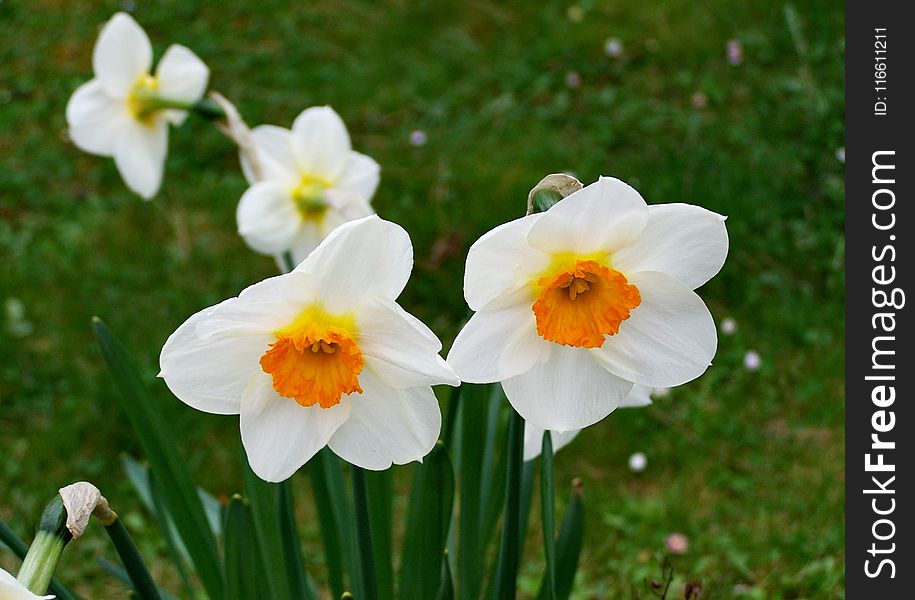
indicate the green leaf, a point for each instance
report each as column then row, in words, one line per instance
column 506, row 574
column 327, row 520
column 265, row 519
column 180, row 494
column 548, row 510
column 364, row 535
column 299, row 582
column 473, row 414
column 140, row 579
column 428, row 521
column 19, row 548
column 176, row 549
column 380, row 496
column 492, row 491
column 446, row 587
column 240, row 549
column 568, row 545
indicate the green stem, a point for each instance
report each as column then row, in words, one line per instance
column 143, row 583
column 364, row 534
column 548, row 509
column 205, row 108
column 509, row 549
column 45, row 552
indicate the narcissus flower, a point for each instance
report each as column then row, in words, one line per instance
column 576, row 304
column 319, row 356
column 637, row 397
column 10, row 589
column 124, row 112
column 308, row 181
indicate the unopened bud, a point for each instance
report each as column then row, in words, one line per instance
column 551, row 190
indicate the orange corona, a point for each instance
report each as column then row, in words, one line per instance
column 581, row 302
column 315, row 359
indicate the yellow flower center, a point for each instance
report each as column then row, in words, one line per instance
column 315, row 359
column 138, row 99
column 581, row 300
column 309, row 197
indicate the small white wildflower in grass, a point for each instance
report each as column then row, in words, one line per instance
column 533, row 435
column 119, row 112
column 10, row 589
column 677, row 543
column 638, row 462
column 576, row 304
column 699, row 100
column 418, row 137
column 660, row 392
column 734, row 51
column 311, row 182
column 16, row 321
column 752, row 361
column 575, row 13
column 573, row 79
column 613, row 47
column 321, row 356
column 840, row 154
column 728, row 326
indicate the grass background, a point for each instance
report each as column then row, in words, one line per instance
column 748, row 465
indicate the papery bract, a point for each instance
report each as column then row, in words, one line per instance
column 10, row 589
column 115, row 114
column 576, row 304
column 319, row 356
column 307, row 181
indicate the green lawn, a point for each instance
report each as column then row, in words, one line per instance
column 748, row 465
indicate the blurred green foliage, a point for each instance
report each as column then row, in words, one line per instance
column 748, row 465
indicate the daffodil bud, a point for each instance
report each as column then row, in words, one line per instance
column 551, row 190
column 45, row 552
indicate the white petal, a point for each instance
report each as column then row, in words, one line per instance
column 500, row 264
column 274, row 154
column 321, row 143
column 638, row 396
column 267, row 218
column 211, row 374
column 361, row 258
column 295, row 287
column 140, row 156
column 569, row 391
column 533, row 440
column 182, row 76
column 687, row 242
column 10, row 589
column 310, row 234
column 395, row 350
column 668, row 339
column 122, row 54
column 280, row 435
column 387, row 426
column 497, row 345
column 360, row 176
column 601, row 217
column 95, row 119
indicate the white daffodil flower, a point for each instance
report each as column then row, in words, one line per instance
column 308, row 181
column 10, row 589
column 321, row 356
column 124, row 112
column 576, row 304
column 638, row 396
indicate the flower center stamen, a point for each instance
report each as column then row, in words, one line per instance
column 139, row 100
column 309, row 197
column 582, row 303
column 315, row 359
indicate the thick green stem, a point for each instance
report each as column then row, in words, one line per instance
column 139, row 575
column 364, row 534
column 548, row 509
column 509, row 549
column 45, row 552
